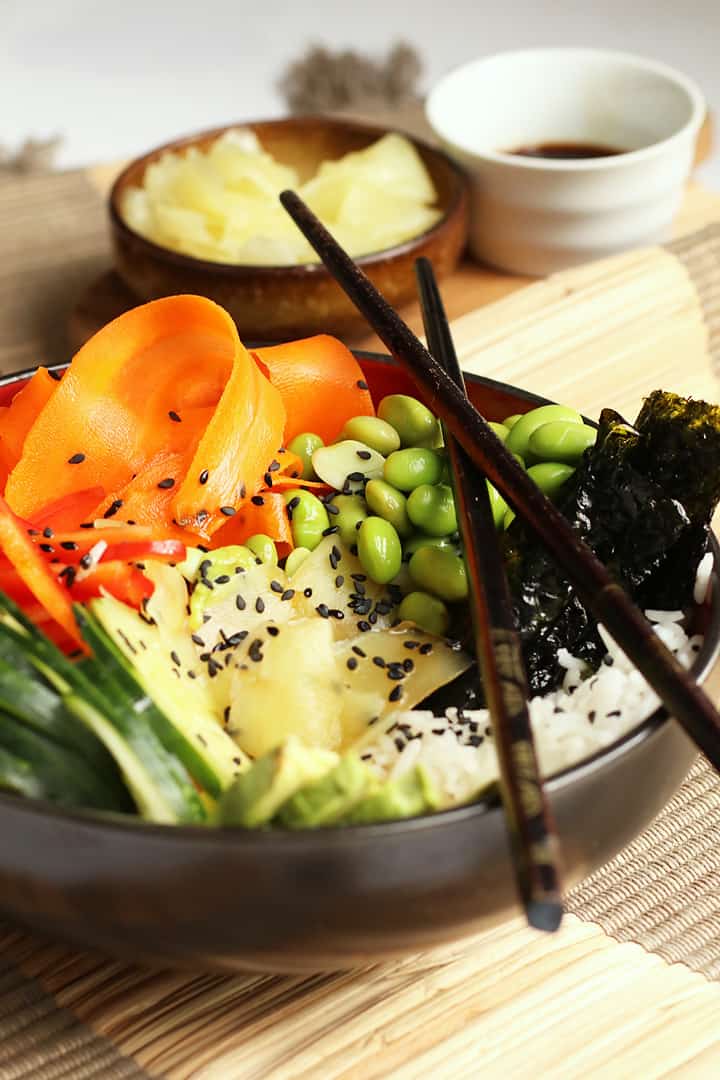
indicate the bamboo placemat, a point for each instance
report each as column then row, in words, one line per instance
column 475, row 1006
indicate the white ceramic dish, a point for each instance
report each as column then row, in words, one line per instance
column 537, row 215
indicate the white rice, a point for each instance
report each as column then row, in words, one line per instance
column 569, row 724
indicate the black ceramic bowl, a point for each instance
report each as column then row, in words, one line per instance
column 333, row 898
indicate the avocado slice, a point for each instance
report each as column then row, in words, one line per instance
column 327, row 800
column 409, row 795
column 254, row 798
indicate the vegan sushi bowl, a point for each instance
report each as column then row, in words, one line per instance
column 239, row 704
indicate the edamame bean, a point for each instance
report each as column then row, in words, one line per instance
column 561, row 441
column 510, row 421
column 431, row 507
column 420, row 540
column 426, row 611
column 304, row 446
column 550, row 476
column 389, row 503
column 352, row 510
column 308, row 518
column 374, row 432
column 263, row 547
column 412, row 420
column 517, row 440
column 439, row 572
column 295, row 559
column 346, row 465
column 407, row 469
column 379, row 550
column 501, row 430
column 497, row 504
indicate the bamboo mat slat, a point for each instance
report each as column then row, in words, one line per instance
column 508, row 1003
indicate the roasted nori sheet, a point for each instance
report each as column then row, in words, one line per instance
column 642, row 498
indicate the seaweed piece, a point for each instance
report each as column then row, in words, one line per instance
column 642, row 499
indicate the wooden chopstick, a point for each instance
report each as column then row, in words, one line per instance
column 607, row 600
column 497, row 643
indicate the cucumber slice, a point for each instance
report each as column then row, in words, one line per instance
column 159, row 783
column 64, row 776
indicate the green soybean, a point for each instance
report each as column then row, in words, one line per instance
column 439, row 572
column 407, row 469
column 379, row 550
column 426, row 611
column 561, row 441
column 304, row 446
column 510, row 421
column 389, row 503
column 374, row 432
column 519, row 436
column 431, row 507
column 295, row 559
column 412, row 420
column 550, row 476
column 418, row 540
column 498, row 505
column 263, row 547
column 501, row 430
column 308, row 518
column 352, row 510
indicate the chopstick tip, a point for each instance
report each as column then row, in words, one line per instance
column 544, row 914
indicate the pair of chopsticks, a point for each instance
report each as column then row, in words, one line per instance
column 607, row 601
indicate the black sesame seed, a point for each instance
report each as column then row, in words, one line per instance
column 378, row 661
column 228, row 511
column 399, row 743
column 113, row 508
column 198, row 640
column 222, row 579
column 204, row 476
column 352, row 663
column 395, row 694
column 411, row 644
column 591, row 716
column 359, row 577
column 202, row 515
column 356, row 477
column 339, row 581
column 475, row 740
column 240, row 603
column 273, row 631
column 332, row 508
column 257, row 500
column 46, row 547
column 174, row 417
column 307, row 593
column 330, row 530
column 167, row 483
column 276, row 586
column 408, row 664
column 268, row 480
column 175, row 658
column 361, row 384
column 614, row 712
column 86, row 561
column 323, row 611
column 292, row 505
column 333, row 560
column 47, row 532
column 76, row 459
column 273, row 466
column 425, row 649
column 364, row 455
column 364, row 626
column 288, row 594
column 68, row 545
column 393, row 673
column 69, row 574
column 358, row 651
column 259, row 605
column 254, row 652
column 336, row 613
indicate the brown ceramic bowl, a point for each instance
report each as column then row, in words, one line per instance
column 276, row 303
column 332, row 898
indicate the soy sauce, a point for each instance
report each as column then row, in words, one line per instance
column 566, row 151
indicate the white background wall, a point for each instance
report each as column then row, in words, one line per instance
column 115, row 78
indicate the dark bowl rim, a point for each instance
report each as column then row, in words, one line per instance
column 246, row 270
column 334, row 835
